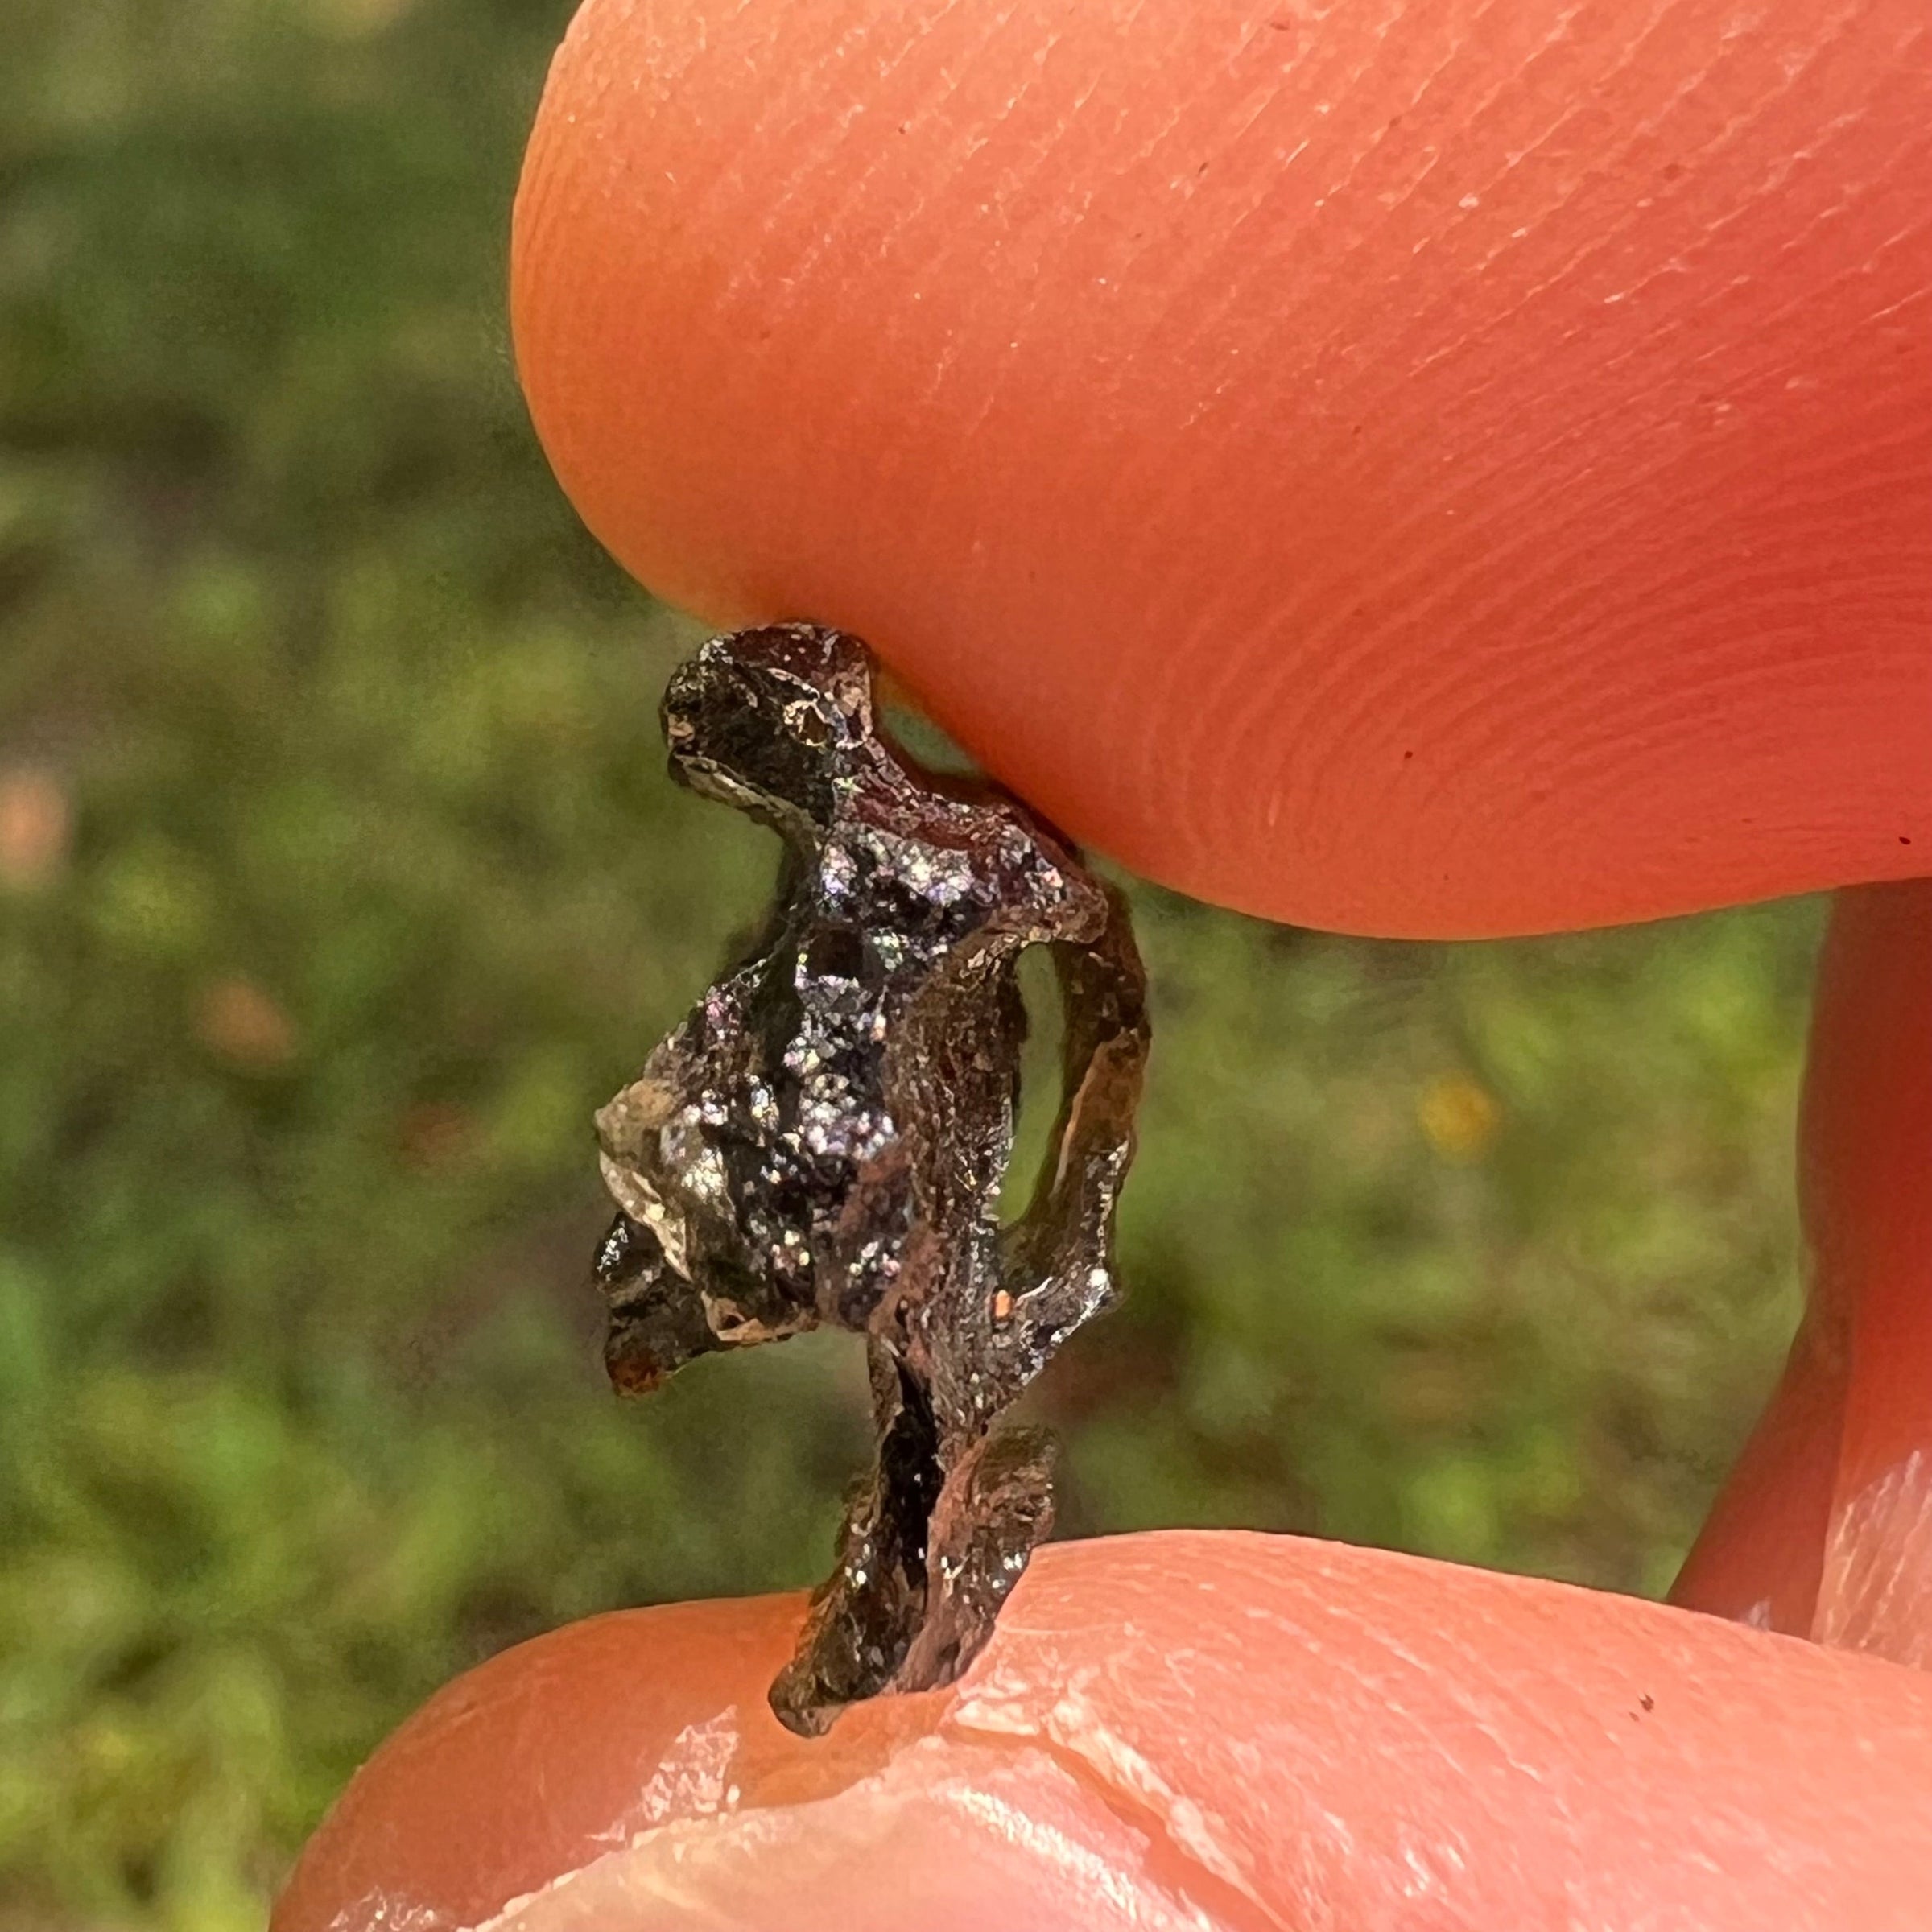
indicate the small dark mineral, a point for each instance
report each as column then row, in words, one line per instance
column 824, row 1139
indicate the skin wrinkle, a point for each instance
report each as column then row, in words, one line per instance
column 1342, row 337
column 975, row 1786
column 1482, row 702
column 1660, row 713
column 823, row 233
column 785, row 100
column 1264, row 698
column 1789, row 361
column 1101, row 1879
column 1878, row 1557
column 1026, row 320
column 1478, row 1712
column 1781, row 171
column 1567, row 117
column 1471, row 205
column 1164, row 244
column 810, row 139
column 1176, row 673
column 1356, row 1625
column 895, row 450
column 1918, row 298
column 1226, row 1893
column 1122, row 1779
column 1463, row 120
column 1186, row 293
column 1420, row 568
column 1223, row 252
column 1745, row 583
column 1596, row 761
column 1639, row 209
column 1271, row 171
column 1555, row 214
column 1685, row 319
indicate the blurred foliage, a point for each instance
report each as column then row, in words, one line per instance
column 339, row 880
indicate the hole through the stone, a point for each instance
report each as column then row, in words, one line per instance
column 1039, row 1080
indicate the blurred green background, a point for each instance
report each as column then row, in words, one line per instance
column 338, row 879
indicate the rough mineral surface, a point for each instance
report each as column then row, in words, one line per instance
column 824, row 1139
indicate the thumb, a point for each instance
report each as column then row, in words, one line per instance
column 1219, row 1733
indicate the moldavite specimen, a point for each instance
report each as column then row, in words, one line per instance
column 822, row 1142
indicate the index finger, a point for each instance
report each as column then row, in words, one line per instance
column 1420, row 467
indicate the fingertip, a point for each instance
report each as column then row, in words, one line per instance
column 1428, row 473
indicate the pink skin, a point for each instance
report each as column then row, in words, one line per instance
column 1416, row 466
column 1426, row 467
column 1824, row 1529
column 1190, row 1730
